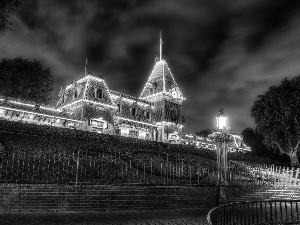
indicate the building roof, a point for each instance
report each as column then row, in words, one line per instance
column 86, row 87
column 117, row 95
column 127, row 103
column 34, row 109
column 161, row 80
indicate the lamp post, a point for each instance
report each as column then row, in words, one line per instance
column 222, row 138
column 221, row 120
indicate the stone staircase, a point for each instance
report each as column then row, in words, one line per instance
column 270, row 193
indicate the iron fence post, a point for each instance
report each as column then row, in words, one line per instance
column 77, row 167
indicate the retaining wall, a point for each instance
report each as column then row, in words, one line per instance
column 43, row 197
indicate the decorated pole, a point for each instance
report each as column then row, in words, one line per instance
column 221, row 138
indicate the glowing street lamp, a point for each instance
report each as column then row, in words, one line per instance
column 221, row 120
column 222, row 138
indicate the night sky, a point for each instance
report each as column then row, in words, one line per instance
column 221, row 53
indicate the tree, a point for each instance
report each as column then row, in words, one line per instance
column 277, row 117
column 8, row 8
column 25, row 80
column 255, row 141
column 204, row 132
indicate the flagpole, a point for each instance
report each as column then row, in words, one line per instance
column 85, row 70
column 160, row 52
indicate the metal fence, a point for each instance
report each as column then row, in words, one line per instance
column 99, row 168
column 37, row 159
column 34, row 166
column 270, row 174
column 256, row 212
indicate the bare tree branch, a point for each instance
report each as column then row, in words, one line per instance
column 278, row 145
column 297, row 145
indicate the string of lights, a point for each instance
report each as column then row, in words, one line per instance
column 88, row 101
column 135, row 121
column 30, row 105
column 38, row 114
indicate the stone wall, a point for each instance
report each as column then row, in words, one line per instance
column 46, row 197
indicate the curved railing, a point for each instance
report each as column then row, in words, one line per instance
column 256, row 212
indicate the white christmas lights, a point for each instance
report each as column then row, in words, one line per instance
column 85, row 88
column 135, row 121
column 39, row 114
column 162, row 93
column 129, row 100
column 168, row 123
column 163, row 75
column 164, row 90
column 108, row 92
column 156, row 64
column 172, row 77
column 70, row 104
column 30, row 105
column 100, row 119
column 84, row 79
column 89, row 77
column 88, row 101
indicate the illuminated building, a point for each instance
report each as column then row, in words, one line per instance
column 88, row 104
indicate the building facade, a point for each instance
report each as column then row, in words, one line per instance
column 88, row 104
column 155, row 115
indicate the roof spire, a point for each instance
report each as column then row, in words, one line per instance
column 160, row 44
column 85, row 69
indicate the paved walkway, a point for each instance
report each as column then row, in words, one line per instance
column 157, row 217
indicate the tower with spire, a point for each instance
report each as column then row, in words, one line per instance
column 162, row 90
column 156, row 115
column 88, row 104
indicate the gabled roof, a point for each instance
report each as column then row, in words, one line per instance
column 160, row 80
column 94, row 83
column 86, row 87
column 68, row 93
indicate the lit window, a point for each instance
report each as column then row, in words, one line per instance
column 98, row 123
column 71, row 125
column 133, row 133
column 99, row 93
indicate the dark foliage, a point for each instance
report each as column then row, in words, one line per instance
column 25, row 80
column 256, row 142
column 277, row 117
column 8, row 8
column 204, row 132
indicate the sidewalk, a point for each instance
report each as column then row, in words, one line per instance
column 161, row 217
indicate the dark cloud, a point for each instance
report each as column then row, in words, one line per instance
column 264, row 19
column 221, row 53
